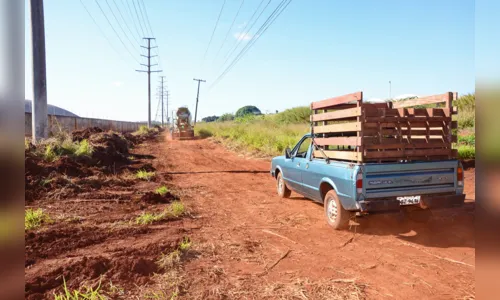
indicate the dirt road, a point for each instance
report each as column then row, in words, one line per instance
column 248, row 229
column 246, row 242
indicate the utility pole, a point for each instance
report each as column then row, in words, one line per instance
column 197, row 97
column 162, row 89
column 39, row 118
column 149, row 65
column 390, row 90
column 168, row 94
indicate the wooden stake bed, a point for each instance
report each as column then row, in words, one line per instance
column 345, row 128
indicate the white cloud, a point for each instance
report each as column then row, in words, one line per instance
column 241, row 36
column 117, row 83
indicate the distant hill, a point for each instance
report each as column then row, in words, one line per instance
column 51, row 109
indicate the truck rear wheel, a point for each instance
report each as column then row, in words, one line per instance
column 283, row 190
column 336, row 215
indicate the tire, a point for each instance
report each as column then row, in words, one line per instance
column 336, row 215
column 283, row 190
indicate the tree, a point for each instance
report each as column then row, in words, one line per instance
column 210, row 119
column 247, row 110
column 226, row 117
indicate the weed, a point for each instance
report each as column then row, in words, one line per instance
column 149, row 218
column 167, row 261
column 466, row 152
column 50, row 155
column 145, row 175
column 466, row 118
column 177, row 209
column 185, row 245
column 467, row 140
column 46, row 181
column 90, row 293
column 84, row 149
column 162, row 191
column 35, row 218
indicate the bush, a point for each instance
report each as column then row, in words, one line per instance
column 226, row 117
column 294, row 115
column 466, row 152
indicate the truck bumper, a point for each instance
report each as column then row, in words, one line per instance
column 427, row 201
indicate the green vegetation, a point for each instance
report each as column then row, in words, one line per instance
column 173, row 258
column 175, row 210
column 53, row 148
column 226, row 117
column 247, row 110
column 466, row 152
column 145, row 175
column 162, row 191
column 90, row 293
column 35, row 218
column 144, row 130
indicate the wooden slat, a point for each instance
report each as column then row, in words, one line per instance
column 344, row 155
column 407, row 146
column 348, row 141
column 422, row 101
column 407, row 119
column 342, row 127
column 358, row 96
column 407, row 153
column 338, row 114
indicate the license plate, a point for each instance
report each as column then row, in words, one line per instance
column 408, row 200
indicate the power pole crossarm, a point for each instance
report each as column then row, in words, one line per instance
column 197, row 97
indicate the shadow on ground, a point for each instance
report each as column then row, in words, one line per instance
column 445, row 228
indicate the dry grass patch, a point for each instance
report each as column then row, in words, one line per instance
column 334, row 289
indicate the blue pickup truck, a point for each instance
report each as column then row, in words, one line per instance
column 347, row 188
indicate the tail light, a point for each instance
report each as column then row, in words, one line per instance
column 359, row 183
column 460, row 176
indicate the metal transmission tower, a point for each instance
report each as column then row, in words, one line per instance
column 162, row 90
column 149, row 65
column 197, row 97
column 39, row 107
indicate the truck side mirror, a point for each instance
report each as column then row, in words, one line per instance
column 288, row 153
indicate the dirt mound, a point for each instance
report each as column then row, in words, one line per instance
column 80, row 135
column 155, row 198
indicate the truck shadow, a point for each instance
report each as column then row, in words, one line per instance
column 210, row 172
column 446, row 228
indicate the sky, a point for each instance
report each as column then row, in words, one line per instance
column 314, row 50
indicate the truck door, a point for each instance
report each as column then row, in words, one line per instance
column 294, row 165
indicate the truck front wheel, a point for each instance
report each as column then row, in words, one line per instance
column 283, row 190
column 336, row 215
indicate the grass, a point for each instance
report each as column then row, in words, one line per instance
column 167, row 261
column 175, row 210
column 162, row 191
column 35, row 218
column 145, row 175
column 144, row 130
column 466, row 152
column 53, row 148
column 90, row 293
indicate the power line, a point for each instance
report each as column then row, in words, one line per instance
column 213, row 32
column 138, row 19
column 125, row 21
column 229, row 31
column 102, row 32
column 158, row 60
column 126, row 35
column 116, row 32
column 129, row 11
column 270, row 20
column 245, row 32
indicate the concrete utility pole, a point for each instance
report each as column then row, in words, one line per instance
column 168, row 94
column 39, row 118
column 197, row 97
column 149, row 65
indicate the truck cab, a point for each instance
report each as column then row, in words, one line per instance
column 348, row 188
